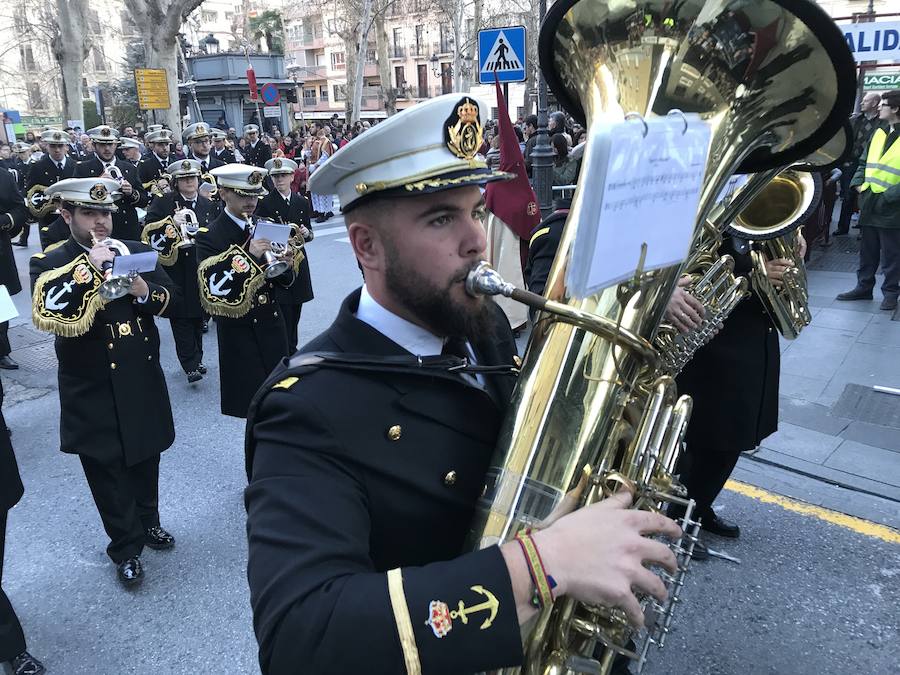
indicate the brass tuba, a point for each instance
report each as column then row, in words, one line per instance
column 784, row 203
column 773, row 80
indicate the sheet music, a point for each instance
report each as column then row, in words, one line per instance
column 649, row 194
column 138, row 263
column 7, row 308
column 274, row 232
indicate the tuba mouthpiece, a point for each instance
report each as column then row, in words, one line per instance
column 485, row 280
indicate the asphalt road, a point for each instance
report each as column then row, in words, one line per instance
column 810, row 597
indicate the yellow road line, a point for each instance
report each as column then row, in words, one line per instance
column 865, row 527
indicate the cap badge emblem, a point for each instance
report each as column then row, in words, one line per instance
column 98, row 192
column 185, row 165
column 255, row 178
column 277, row 164
column 104, row 132
column 462, row 130
column 57, row 136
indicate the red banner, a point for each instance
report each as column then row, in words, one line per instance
column 251, row 82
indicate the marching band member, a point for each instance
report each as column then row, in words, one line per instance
column 152, row 168
column 284, row 206
column 105, row 164
column 257, row 152
column 197, row 137
column 49, row 169
column 114, row 404
column 235, row 290
column 169, row 232
column 131, row 150
column 363, row 524
column 220, row 151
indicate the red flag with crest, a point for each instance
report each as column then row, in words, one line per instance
column 512, row 201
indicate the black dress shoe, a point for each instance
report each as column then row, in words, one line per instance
column 26, row 664
column 204, row 327
column 889, row 303
column 7, row 363
column 715, row 525
column 158, row 539
column 130, row 572
column 328, row 215
column 194, row 376
column 700, row 551
column 856, row 294
column 321, row 219
column 23, row 244
column 202, row 369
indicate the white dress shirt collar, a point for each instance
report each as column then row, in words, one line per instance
column 414, row 339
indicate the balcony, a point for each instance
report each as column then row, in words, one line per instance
column 397, row 52
column 309, row 101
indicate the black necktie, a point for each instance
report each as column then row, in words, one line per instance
column 203, row 165
column 60, row 165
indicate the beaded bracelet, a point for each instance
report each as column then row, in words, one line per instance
column 543, row 582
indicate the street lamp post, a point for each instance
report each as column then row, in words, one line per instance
column 542, row 154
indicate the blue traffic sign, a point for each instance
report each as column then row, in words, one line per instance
column 501, row 52
column 269, row 94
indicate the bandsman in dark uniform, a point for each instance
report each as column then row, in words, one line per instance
column 131, row 151
column 256, row 152
column 104, row 163
column 52, row 167
column 290, row 208
column 170, row 231
column 13, row 215
column 197, row 137
column 12, row 637
column 357, row 531
column 152, row 168
column 220, row 150
column 236, row 291
column 114, row 404
column 22, row 164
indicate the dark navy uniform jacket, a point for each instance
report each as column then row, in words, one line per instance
column 273, row 207
column 125, row 220
column 362, row 490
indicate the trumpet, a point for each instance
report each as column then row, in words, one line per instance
column 275, row 263
column 113, row 286
column 186, row 219
column 115, row 173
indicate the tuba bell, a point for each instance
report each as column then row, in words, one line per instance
column 773, row 81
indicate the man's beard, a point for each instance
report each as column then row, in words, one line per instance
column 433, row 304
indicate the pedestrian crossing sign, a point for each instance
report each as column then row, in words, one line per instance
column 501, row 51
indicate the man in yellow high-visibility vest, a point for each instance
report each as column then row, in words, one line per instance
column 878, row 181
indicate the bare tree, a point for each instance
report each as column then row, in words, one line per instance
column 158, row 22
column 70, row 47
column 388, row 91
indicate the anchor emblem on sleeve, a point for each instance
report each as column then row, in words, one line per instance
column 53, row 296
column 490, row 604
column 215, row 287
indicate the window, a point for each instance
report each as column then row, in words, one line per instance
column 229, row 16
column 35, row 96
column 399, row 77
column 337, row 61
column 420, row 40
column 27, row 57
column 21, row 22
column 85, row 90
column 323, row 93
column 340, row 92
column 93, row 22
column 370, row 55
column 446, row 39
column 128, row 27
column 209, row 16
column 99, row 60
column 446, row 78
column 309, row 94
column 397, row 43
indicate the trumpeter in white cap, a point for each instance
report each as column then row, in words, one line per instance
column 245, row 180
column 195, row 132
column 131, row 149
column 184, row 168
column 430, row 147
column 99, row 194
column 250, row 129
column 103, row 134
column 159, row 136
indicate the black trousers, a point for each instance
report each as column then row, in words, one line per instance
column 5, row 347
column 704, row 470
column 291, row 314
column 849, row 198
column 127, row 498
column 12, row 639
column 188, row 334
column 880, row 244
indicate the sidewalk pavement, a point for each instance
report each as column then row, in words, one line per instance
column 833, row 426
